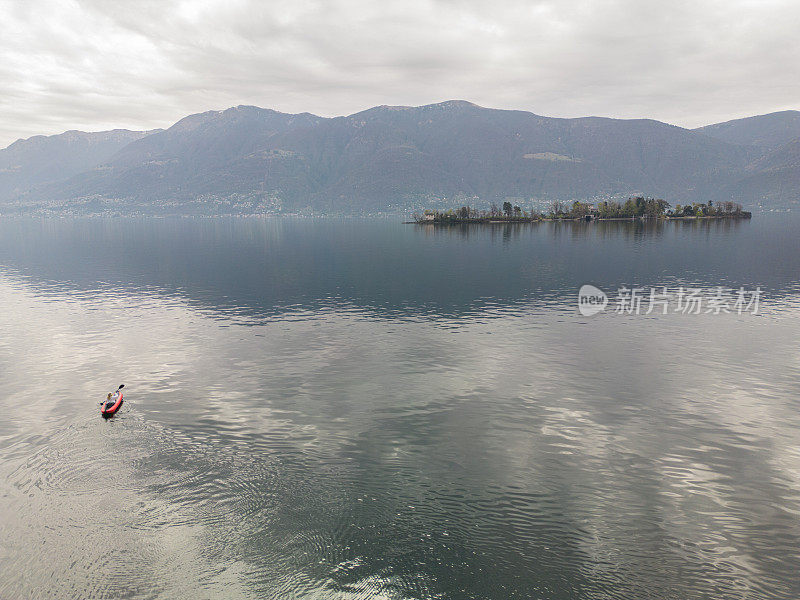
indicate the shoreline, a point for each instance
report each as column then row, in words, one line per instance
column 502, row 221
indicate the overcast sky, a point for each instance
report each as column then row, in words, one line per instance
column 101, row 64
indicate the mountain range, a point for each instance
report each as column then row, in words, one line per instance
column 391, row 158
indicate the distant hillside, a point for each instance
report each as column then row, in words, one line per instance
column 765, row 131
column 248, row 159
column 42, row 159
column 771, row 181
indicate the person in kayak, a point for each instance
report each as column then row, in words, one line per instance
column 112, row 398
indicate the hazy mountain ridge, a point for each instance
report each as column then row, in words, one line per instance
column 249, row 159
column 41, row 159
column 769, row 131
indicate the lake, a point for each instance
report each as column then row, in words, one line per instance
column 364, row 409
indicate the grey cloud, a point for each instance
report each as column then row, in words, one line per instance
column 99, row 64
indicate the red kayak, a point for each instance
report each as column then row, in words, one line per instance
column 112, row 406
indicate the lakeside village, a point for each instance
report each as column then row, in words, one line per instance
column 633, row 208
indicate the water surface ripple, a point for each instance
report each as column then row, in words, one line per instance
column 361, row 409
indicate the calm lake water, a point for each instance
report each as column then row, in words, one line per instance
column 365, row 409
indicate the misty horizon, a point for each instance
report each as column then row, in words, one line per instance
column 392, row 106
column 93, row 66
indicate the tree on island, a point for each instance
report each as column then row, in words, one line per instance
column 640, row 207
column 579, row 210
column 557, row 209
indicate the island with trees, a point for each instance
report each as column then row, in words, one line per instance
column 639, row 207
